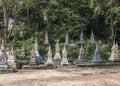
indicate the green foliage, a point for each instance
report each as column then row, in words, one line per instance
column 105, row 52
column 89, row 51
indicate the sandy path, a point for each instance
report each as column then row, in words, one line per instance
column 63, row 77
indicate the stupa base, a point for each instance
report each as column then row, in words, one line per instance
column 38, row 67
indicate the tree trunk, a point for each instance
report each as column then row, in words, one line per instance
column 5, row 20
column 113, row 30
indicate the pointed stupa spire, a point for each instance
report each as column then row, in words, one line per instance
column 46, row 42
column 92, row 38
column 36, row 44
column 3, row 44
column 49, row 53
column 12, row 51
column 57, row 45
column 64, row 52
column 81, row 38
column 66, row 39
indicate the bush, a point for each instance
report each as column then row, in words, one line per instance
column 105, row 52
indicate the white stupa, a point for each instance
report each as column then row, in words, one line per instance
column 57, row 57
column 64, row 60
column 12, row 59
column 49, row 57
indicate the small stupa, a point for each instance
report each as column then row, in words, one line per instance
column 32, row 59
column 64, row 60
column 57, row 57
column 81, row 57
column 12, row 59
column 3, row 56
column 96, row 57
column 114, row 53
column 49, row 57
column 37, row 55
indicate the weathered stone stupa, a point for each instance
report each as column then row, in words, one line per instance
column 37, row 55
column 49, row 57
column 114, row 53
column 57, row 57
column 64, row 60
column 96, row 57
column 33, row 60
column 3, row 56
column 12, row 59
column 81, row 57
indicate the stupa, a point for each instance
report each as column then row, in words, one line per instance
column 64, row 60
column 96, row 57
column 33, row 60
column 81, row 57
column 49, row 57
column 12, row 59
column 37, row 55
column 57, row 57
column 114, row 53
column 3, row 57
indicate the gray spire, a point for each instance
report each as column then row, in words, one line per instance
column 81, row 41
column 92, row 39
column 66, row 39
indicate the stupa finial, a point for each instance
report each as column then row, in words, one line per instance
column 36, row 44
column 46, row 42
column 49, row 53
column 81, row 41
column 92, row 39
column 66, row 39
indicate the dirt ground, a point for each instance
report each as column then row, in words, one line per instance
column 63, row 76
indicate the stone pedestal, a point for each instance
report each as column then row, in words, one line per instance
column 64, row 61
column 57, row 61
column 32, row 61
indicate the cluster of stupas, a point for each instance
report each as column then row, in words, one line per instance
column 62, row 59
column 57, row 59
column 7, row 57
